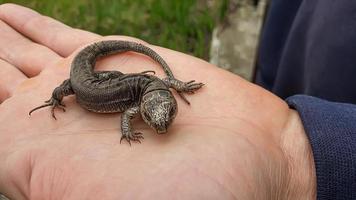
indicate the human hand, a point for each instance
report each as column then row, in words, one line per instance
column 235, row 141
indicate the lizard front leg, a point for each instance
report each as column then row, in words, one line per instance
column 180, row 86
column 126, row 129
column 55, row 101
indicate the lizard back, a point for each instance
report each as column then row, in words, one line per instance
column 116, row 94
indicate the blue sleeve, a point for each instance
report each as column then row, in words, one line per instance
column 331, row 129
column 308, row 47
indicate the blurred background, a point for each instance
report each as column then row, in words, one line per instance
column 223, row 32
column 183, row 25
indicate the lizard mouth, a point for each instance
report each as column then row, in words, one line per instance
column 161, row 131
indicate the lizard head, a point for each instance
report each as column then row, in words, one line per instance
column 158, row 109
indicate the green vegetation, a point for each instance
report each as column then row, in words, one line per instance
column 183, row 25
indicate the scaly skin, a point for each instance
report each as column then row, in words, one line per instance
column 113, row 91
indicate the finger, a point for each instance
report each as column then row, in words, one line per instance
column 19, row 51
column 42, row 29
column 10, row 78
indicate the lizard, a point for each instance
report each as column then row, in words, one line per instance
column 114, row 91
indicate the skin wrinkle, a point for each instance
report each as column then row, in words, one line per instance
column 283, row 181
column 32, row 169
column 294, row 157
column 236, row 117
column 289, row 190
column 229, row 174
column 13, row 175
column 229, row 131
column 280, row 183
column 247, row 140
column 261, row 159
column 20, row 192
column 206, row 175
column 29, row 174
column 66, row 190
column 77, row 119
column 116, row 128
column 54, row 176
column 232, row 177
column 10, row 73
column 217, row 125
column 4, row 94
column 218, row 182
column 30, row 178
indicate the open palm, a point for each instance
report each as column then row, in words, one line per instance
column 222, row 146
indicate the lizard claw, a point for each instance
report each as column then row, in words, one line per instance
column 181, row 87
column 191, row 86
column 54, row 103
column 126, row 138
column 132, row 137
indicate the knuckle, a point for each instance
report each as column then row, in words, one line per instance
column 41, row 22
column 38, row 21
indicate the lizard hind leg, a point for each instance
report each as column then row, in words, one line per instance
column 103, row 76
column 55, row 101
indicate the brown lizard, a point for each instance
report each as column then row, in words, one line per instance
column 113, row 91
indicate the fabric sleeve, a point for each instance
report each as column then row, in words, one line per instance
column 331, row 129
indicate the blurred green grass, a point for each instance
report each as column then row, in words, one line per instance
column 183, row 25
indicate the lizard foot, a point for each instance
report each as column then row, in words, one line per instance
column 103, row 76
column 136, row 136
column 190, row 86
column 54, row 103
column 180, row 86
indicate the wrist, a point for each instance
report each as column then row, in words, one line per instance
column 301, row 176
